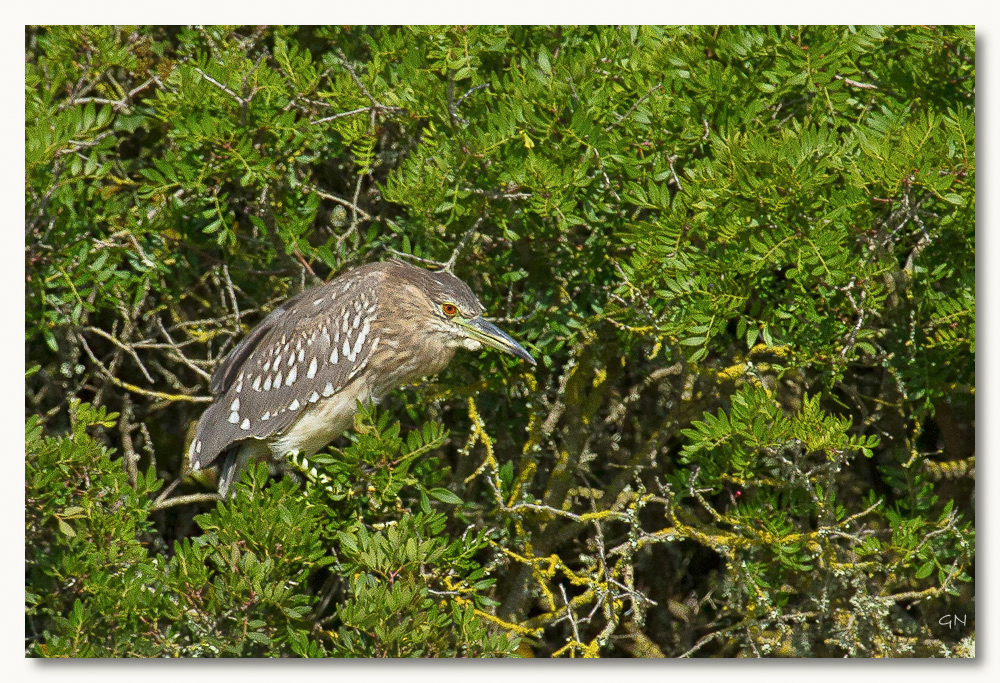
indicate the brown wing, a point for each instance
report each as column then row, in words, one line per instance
column 225, row 374
column 304, row 351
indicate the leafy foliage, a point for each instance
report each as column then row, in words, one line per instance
column 246, row 585
column 744, row 257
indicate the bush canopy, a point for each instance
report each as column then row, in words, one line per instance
column 743, row 256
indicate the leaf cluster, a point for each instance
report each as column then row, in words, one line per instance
column 743, row 256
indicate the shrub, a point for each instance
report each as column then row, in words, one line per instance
column 744, row 257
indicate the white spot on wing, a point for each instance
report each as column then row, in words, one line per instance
column 236, row 404
column 277, row 380
column 333, row 356
column 313, row 397
column 267, row 383
column 234, row 417
column 266, row 416
column 312, row 369
column 361, row 339
column 328, row 389
column 347, row 349
column 294, row 405
column 245, row 424
column 197, row 446
column 318, row 301
column 256, row 383
column 302, row 353
column 292, row 374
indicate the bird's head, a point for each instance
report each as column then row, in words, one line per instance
column 453, row 311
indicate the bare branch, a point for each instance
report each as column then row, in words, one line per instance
column 376, row 105
column 634, row 106
column 185, row 500
column 334, row 198
column 131, row 387
column 341, row 115
column 220, row 86
column 450, row 263
column 176, row 348
column 855, row 84
column 127, row 348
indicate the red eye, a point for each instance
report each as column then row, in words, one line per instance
column 449, row 309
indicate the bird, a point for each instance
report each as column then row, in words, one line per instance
column 294, row 382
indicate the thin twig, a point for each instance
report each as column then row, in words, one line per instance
column 129, row 456
column 305, row 264
column 604, row 174
column 232, row 294
column 147, row 444
column 119, row 105
column 376, row 105
column 634, row 106
column 677, row 181
column 354, row 202
column 333, row 198
column 855, row 84
column 857, row 326
column 450, row 263
column 184, row 500
column 131, row 387
column 452, row 108
column 403, row 254
column 176, row 349
column 471, row 91
column 341, row 115
column 127, row 348
column 569, row 613
column 222, row 87
column 497, row 195
column 167, row 491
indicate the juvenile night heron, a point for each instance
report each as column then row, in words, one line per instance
column 293, row 383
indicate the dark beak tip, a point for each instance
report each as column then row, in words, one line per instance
column 501, row 340
column 520, row 352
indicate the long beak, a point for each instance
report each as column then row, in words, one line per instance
column 491, row 335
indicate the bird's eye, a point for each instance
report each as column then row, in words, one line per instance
column 449, row 309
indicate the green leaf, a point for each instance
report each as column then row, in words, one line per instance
column 543, row 61
column 445, row 496
column 66, row 529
